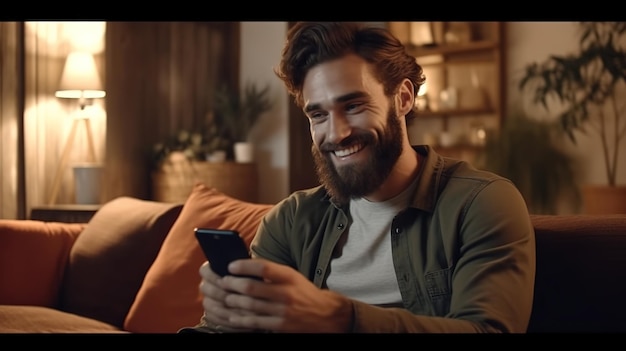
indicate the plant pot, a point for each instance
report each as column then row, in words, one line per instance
column 244, row 152
column 604, row 199
column 88, row 182
column 217, row 156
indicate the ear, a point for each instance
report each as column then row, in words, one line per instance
column 405, row 98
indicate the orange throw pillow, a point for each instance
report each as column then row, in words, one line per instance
column 169, row 298
column 33, row 256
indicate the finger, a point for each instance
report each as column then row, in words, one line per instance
column 231, row 318
column 207, row 273
column 224, row 318
column 212, row 290
column 254, row 322
column 254, row 306
column 262, row 268
column 275, row 277
column 215, row 311
column 247, row 267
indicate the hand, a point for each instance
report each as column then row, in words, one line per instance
column 283, row 301
column 216, row 313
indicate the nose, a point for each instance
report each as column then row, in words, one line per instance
column 338, row 128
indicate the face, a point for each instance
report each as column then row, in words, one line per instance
column 357, row 134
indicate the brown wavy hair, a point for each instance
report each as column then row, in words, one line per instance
column 311, row 43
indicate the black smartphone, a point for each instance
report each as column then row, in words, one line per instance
column 221, row 247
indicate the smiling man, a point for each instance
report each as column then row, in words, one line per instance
column 356, row 130
column 396, row 238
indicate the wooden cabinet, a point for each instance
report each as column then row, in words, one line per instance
column 173, row 182
column 67, row 213
column 464, row 91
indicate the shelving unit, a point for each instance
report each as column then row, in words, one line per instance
column 465, row 61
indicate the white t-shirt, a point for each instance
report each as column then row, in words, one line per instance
column 362, row 267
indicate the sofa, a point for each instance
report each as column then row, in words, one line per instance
column 133, row 268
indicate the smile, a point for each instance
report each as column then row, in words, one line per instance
column 348, row 151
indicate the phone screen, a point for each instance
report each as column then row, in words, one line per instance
column 221, row 247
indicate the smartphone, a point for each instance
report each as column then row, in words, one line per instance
column 221, row 247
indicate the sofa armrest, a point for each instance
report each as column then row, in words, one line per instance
column 33, row 256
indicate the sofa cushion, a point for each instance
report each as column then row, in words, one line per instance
column 37, row 319
column 32, row 260
column 169, row 298
column 112, row 255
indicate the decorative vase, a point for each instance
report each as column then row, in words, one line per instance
column 244, row 152
column 88, row 182
column 216, row 156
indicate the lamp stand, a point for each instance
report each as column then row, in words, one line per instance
column 66, row 153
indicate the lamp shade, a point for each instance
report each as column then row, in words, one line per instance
column 80, row 79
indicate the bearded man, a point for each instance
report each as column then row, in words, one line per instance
column 396, row 238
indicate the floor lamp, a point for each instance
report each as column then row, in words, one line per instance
column 80, row 80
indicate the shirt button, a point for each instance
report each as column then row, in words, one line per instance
column 340, row 226
column 318, row 271
column 398, row 230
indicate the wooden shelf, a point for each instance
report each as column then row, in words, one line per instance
column 454, row 112
column 450, row 49
column 465, row 61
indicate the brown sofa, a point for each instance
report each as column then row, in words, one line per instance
column 134, row 268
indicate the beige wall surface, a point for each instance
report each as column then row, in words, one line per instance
column 534, row 42
column 261, row 44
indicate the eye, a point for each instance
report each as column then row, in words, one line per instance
column 354, row 107
column 317, row 115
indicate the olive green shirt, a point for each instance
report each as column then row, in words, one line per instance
column 463, row 251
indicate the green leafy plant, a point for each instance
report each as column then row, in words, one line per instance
column 587, row 85
column 240, row 113
column 193, row 145
column 526, row 151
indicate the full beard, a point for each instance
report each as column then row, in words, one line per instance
column 358, row 180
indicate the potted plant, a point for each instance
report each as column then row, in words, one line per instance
column 186, row 145
column 188, row 156
column 527, row 152
column 587, row 86
column 240, row 113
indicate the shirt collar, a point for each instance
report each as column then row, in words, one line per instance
column 430, row 174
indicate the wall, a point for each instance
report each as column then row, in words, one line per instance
column 50, row 151
column 160, row 79
column 261, row 45
column 534, row 42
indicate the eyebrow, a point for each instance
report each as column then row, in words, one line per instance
column 342, row 98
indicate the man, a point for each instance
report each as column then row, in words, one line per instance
column 396, row 238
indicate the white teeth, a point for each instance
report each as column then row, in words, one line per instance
column 349, row 151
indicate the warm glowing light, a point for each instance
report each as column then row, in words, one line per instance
column 80, row 79
column 423, row 90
